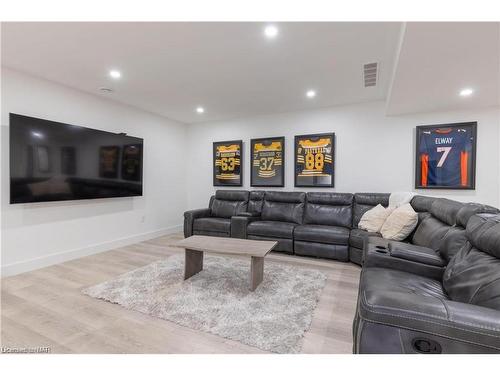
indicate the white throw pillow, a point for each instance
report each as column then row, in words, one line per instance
column 399, row 198
column 373, row 219
column 400, row 223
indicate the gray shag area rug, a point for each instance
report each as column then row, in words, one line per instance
column 217, row 300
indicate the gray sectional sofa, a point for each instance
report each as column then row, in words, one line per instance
column 436, row 292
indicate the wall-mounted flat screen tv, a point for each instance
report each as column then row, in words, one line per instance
column 52, row 161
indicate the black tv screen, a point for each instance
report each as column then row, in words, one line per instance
column 52, row 161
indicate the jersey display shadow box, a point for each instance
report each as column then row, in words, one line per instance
column 227, row 163
column 267, row 162
column 314, row 160
column 446, row 156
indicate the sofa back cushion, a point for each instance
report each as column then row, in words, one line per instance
column 283, row 206
column 455, row 239
column 473, row 274
column 329, row 209
column 446, row 210
column 422, row 205
column 470, row 209
column 433, row 228
column 227, row 203
column 365, row 201
column 256, row 200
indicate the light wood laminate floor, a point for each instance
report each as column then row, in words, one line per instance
column 46, row 308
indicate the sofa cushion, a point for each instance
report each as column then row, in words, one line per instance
column 452, row 242
column 400, row 223
column 275, row 229
column 374, row 279
column 328, row 209
column 446, row 210
column 473, row 274
column 232, row 195
column 322, row 234
column 430, row 233
column 373, row 219
column 357, row 237
column 227, row 203
column 421, row 203
column 365, row 201
column 283, row 206
column 470, row 209
column 212, row 224
column 255, row 201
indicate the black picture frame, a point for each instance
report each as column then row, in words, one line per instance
column 471, row 128
column 228, row 179
column 315, row 178
column 277, row 164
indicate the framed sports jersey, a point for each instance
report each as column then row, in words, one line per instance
column 268, row 162
column 227, row 163
column 446, row 156
column 314, row 160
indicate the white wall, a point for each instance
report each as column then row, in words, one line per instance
column 374, row 153
column 39, row 234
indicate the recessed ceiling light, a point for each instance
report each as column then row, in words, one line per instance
column 311, row 93
column 115, row 74
column 271, row 31
column 200, row 110
column 466, row 92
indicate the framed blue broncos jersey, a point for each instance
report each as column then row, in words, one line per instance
column 446, row 156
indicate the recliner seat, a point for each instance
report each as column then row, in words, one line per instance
column 216, row 219
column 281, row 213
column 326, row 228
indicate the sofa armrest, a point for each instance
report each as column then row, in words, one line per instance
column 369, row 242
column 463, row 323
column 190, row 216
column 239, row 225
column 396, row 255
column 415, row 253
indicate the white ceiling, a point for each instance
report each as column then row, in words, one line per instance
column 437, row 60
column 232, row 70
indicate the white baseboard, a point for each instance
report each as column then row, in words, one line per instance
column 64, row 256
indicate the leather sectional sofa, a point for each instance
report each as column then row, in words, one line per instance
column 436, row 292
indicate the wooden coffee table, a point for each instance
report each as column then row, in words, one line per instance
column 196, row 245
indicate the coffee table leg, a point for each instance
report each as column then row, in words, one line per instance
column 256, row 272
column 193, row 263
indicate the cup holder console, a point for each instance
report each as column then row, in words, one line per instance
column 381, row 249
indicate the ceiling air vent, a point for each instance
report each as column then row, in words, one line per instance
column 370, row 74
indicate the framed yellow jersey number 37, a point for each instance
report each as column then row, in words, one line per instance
column 267, row 166
column 314, row 160
column 227, row 163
